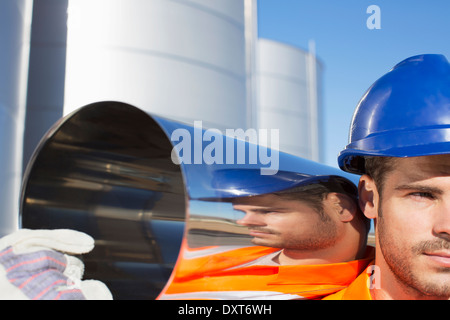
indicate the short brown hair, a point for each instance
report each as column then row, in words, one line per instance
column 314, row 195
column 377, row 168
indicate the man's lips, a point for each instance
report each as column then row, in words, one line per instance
column 259, row 232
column 440, row 257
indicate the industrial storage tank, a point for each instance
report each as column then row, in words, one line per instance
column 289, row 96
column 181, row 59
column 15, row 20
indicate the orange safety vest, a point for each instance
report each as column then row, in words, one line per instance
column 357, row 290
column 221, row 273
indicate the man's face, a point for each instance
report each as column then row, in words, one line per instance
column 413, row 224
column 277, row 222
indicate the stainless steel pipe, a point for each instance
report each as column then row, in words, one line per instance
column 107, row 170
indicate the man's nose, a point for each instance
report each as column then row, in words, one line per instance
column 250, row 219
column 441, row 226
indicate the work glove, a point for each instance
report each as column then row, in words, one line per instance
column 38, row 265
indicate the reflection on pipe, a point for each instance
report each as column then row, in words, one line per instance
column 240, row 255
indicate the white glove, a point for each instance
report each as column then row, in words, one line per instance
column 33, row 265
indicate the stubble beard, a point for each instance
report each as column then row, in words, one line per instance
column 400, row 262
column 324, row 235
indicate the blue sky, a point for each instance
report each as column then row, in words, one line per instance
column 353, row 55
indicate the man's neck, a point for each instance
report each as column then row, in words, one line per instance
column 391, row 288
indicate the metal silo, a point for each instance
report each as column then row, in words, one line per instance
column 289, row 81
column 15, row 20
column 181, row 59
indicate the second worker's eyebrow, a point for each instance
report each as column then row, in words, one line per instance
column 263, row 209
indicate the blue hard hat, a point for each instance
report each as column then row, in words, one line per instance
column 405, row 113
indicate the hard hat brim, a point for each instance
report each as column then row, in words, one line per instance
column 424, row 142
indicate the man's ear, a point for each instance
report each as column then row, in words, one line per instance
column 368, row 196
column 345, row 206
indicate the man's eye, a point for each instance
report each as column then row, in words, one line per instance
column 426, row 195
column 270, row 212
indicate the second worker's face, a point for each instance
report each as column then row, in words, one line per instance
column 276, row 222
